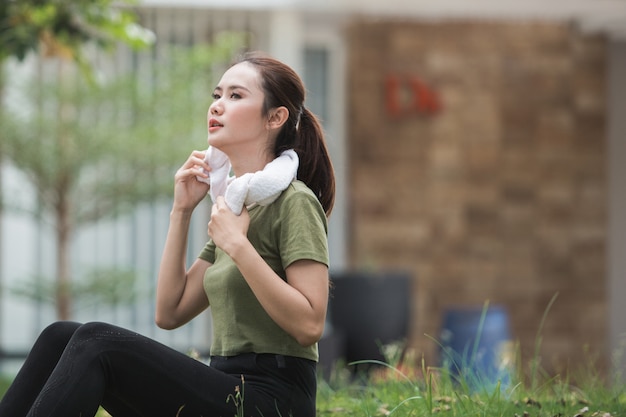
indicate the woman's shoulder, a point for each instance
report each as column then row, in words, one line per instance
column 298, row 186
column 298, row 191
column 297, row 194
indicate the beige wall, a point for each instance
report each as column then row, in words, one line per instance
column 500, row 196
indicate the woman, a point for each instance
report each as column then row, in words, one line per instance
column 264, row 272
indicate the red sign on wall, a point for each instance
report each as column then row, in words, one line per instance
column 407, row 95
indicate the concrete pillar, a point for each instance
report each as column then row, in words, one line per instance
column 286, row 37
column 617, row 202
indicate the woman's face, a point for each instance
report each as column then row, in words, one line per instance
column 235, row 116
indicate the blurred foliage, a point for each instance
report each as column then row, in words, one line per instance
column 112, row 146
column 97, row 150
column 62, row 28
column 102, row 286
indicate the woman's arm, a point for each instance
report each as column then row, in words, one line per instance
column 180, row 293
column 299, row 305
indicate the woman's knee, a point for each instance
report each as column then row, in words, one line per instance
column 58, row 333
column 90, row 331
column 99, row 335
column 94, row 342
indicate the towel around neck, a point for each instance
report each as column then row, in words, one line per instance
column 261, row 187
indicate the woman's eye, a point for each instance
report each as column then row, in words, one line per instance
column 215, row 96
column 235, row 95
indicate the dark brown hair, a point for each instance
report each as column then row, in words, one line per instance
column 302, row 131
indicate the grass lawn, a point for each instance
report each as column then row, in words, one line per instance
column 402, row 392
column 403, row 386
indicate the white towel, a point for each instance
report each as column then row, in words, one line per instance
column 261, row 187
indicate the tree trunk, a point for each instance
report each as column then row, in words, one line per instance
column 63, row 295
column 63, row 207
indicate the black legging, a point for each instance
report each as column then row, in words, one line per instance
column 74, row 368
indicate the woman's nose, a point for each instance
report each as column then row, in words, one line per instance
column 215, row 108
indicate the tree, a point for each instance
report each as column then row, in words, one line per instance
column 62, row 28
column 96, row 150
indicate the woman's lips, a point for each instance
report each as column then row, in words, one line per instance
column 214, row 125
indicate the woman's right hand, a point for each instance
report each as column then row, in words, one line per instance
column 188, row 191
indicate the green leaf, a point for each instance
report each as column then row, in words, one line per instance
column 65, row 26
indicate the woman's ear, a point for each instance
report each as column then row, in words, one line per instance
column 277, row 117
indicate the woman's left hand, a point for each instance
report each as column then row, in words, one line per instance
column 226, row 228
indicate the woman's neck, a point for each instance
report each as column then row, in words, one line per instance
column 249, row 163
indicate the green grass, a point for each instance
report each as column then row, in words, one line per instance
column 4, row 384
column 437, row 395
column 405, row 388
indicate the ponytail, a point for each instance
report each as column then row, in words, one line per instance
column 316, row 169
column 302, row 131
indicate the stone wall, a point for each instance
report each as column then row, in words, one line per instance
column 477, row 159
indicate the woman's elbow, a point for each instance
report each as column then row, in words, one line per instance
column 165, row 321
column 310, row 336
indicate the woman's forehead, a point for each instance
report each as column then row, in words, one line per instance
column 243, row 75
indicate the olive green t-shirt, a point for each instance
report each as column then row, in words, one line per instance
column 292, row 228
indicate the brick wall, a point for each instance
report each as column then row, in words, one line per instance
column 500, row 196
